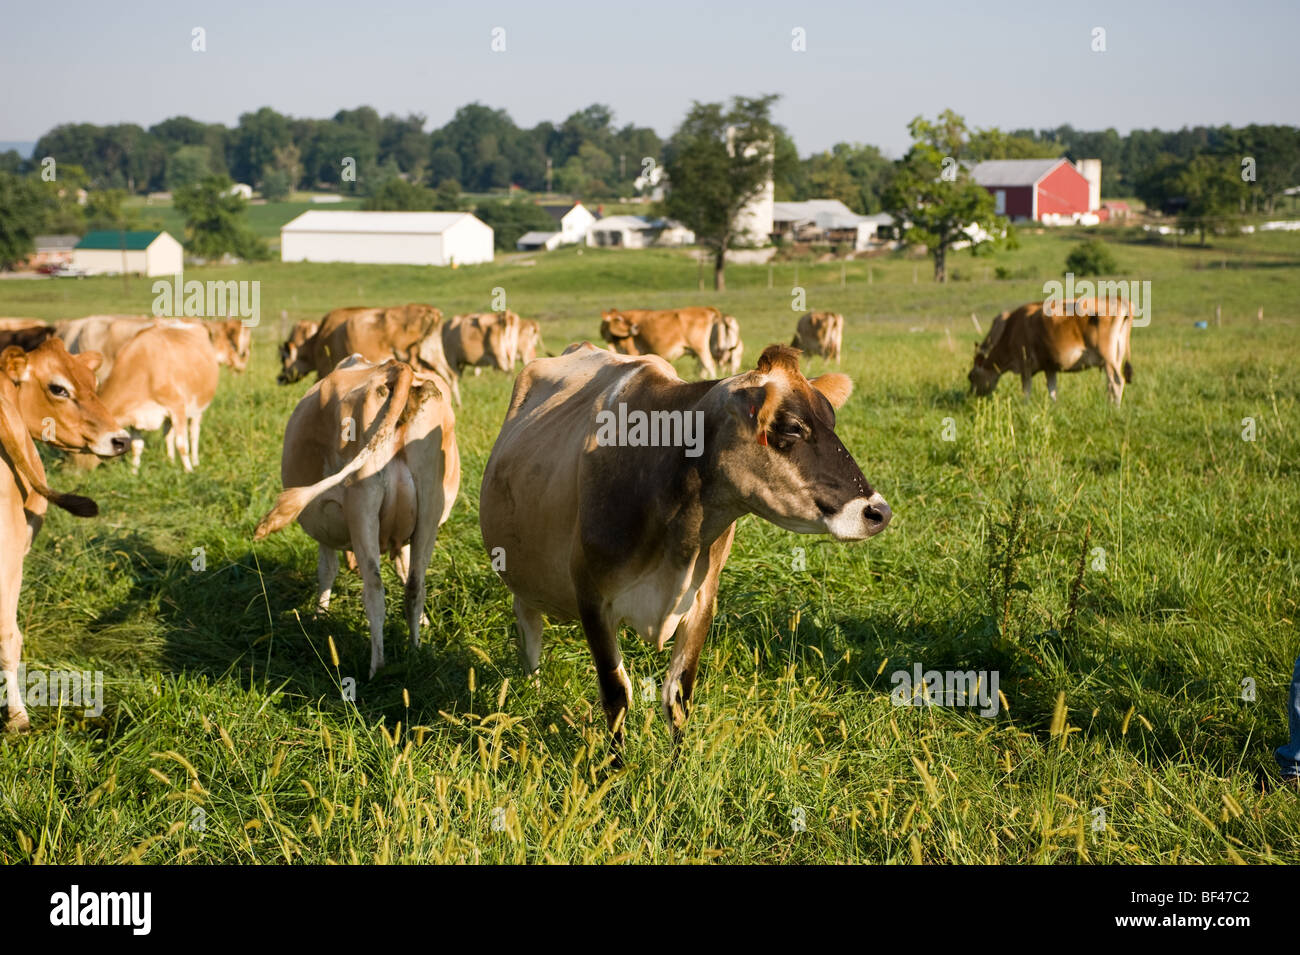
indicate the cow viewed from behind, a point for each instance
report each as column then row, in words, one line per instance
column 370, row 465
column 671, row 333
column 820, row 333
column 1051, row 338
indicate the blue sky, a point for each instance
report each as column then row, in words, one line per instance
column 868, row 69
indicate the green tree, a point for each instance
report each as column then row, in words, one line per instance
column 510, row 220
column 941, row 204
column 277, row 184
column 214, row 221
column 23, row 209
column 446, row 197
column 1214, row 193
column 104, row 210
column 397, row 195
column 719, row 160
column 1091, row 258
column 187, row 165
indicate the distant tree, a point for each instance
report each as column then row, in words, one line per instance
column 214, row 221
column 510, row 220
column 187, row 165
column 397, row 195
column 993, row 143
column 104, row 210
column 277, row 184
column 446, row 197
column 1214, row 192
column 1091, row 258
column 930, row 191
column 712, row 176
column 23, row 209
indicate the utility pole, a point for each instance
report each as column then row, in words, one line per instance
column 622, row 166
column 548, row 175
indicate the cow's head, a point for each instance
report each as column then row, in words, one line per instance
column 58, row 400
column 988, row 367
column 296, row 360
column 232, row 340
column 616, row 329
column 779, row 452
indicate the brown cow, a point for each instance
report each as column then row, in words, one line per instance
column 165, row 376
column 106, row 334
column 409, row 333
column 530, row 340
column 481, row 340
column 612, row 495
column 725, row 345
column 26, row 333
column 47, row 394
column 1086, row 333
column 384, row 437
column 820, row 333
column 669, row 333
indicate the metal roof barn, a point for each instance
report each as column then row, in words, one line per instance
column 386, row 238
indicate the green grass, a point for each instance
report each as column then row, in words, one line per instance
column 1126, row 696
column 265, row 219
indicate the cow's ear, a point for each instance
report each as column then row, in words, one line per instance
column 835, row 387
column 756, row 407
column 92, row 360
column 13, row 361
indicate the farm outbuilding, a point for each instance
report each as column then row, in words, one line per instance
column 573, row 222
column 1046, row 190
column 52, row 250
column 112, row 252
column 638, row 232
column 825, row 220
column 386, row 238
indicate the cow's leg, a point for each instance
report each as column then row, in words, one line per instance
column 707, row 368
column 1114, row 381
column 169, row 440
column 196, row 425
column 327, row 568
column 11, row 638
column 416, row 555
column 602, row 639
column 181, row 428
column 137, row 449
column 1051, row 385
column 529, row 639
column 1027, row 382
column 688, row 641
column 362, row 504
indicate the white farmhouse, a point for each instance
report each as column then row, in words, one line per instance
column 638, row 232
column 113, row 252
column 386, row 238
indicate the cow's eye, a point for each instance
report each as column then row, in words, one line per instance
column 790, row 428
column 58, row 390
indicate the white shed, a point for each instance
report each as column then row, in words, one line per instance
column 112, row 252
column 386, row 238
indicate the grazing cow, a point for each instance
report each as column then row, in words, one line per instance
column 669, row 333
column 26, row 333
column 597, row 519
column 725, row 345
column 165, row 376
column 1086, row 333
column 409, row 333
column 293, row 347
column 820, row 333
column 483, row 340
column 383, row 438
column 49, row 395
column 106, row 334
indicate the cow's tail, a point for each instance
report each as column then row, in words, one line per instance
column 294, row 500
column 18, row 448
column 1128, row 372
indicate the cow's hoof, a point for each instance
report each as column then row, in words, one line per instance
column 18, row 725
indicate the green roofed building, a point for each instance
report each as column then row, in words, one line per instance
column 111, row 252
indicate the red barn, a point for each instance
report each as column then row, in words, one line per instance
column 1039, row 188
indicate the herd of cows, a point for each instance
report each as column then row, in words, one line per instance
column 606, row 526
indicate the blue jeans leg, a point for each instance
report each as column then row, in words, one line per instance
column 1288, row 756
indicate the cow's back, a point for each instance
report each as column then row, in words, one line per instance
column 162, row 363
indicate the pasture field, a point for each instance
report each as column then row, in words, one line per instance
column 1124, row 736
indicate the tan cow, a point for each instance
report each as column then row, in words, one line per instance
column 613, row 491
column 26, row 333
column 530, row 340
column 725, row 345
column 820, row 333
column 106, row 334
column 384, row 438
column 49, row 395
column 409, row 333
column 669, row 333
column 482, row 340
column 1086, row 333
column 165, row 376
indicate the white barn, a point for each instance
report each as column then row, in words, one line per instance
column 386, row 238
column 113, row 252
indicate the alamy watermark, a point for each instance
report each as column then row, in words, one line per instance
column 651, row 429
column 176, row 298
column 947, row 688
column 72, row 688
column 1114, row 293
